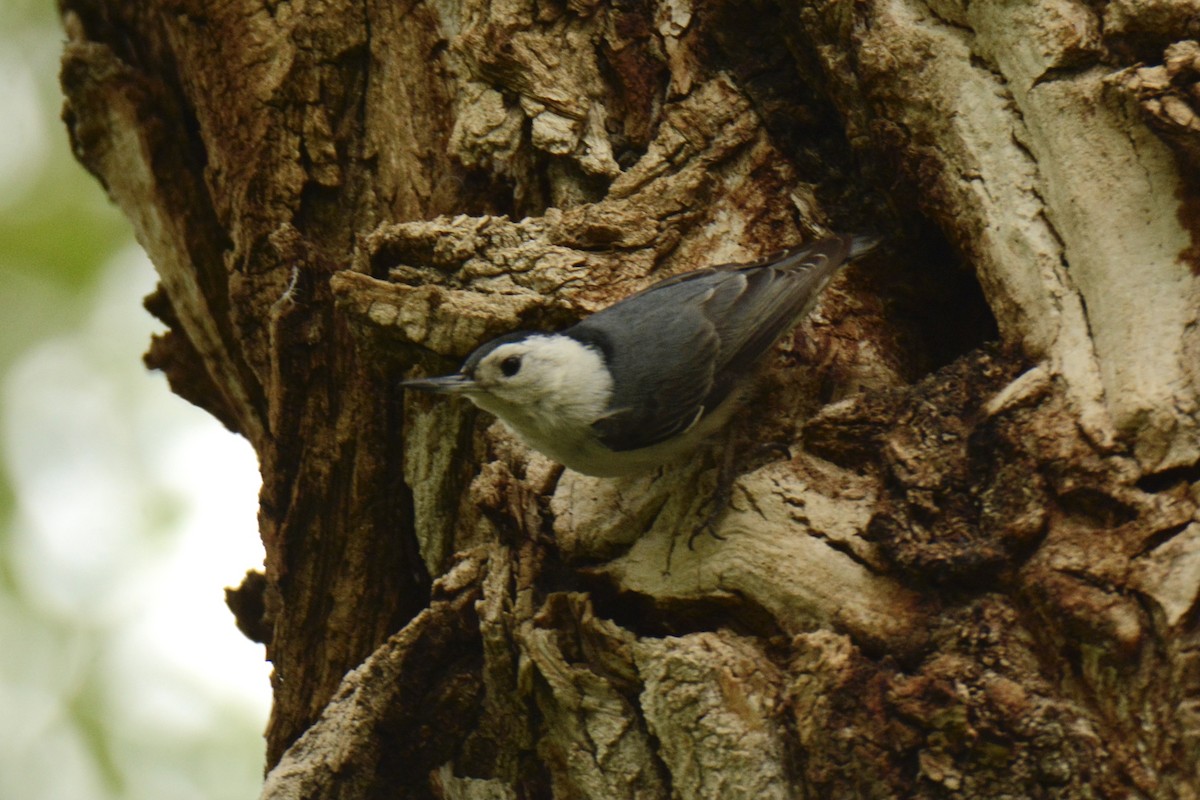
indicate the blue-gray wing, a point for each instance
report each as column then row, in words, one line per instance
column 678, row 348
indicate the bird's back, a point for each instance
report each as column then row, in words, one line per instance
column 677, row 349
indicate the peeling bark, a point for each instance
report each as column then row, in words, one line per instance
column 976, row 575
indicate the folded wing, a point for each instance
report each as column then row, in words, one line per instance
column 678, row 348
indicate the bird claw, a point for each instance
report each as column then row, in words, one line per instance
column 718, row 504
column 709, row 526
column 723, row 494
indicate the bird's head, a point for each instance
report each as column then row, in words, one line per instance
column 530, row 377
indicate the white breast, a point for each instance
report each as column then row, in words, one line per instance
column 564, row 387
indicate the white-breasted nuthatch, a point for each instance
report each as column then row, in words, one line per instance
column 648, row 378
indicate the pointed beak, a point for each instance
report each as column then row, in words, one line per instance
column 447, row 384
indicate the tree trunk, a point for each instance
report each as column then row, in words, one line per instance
column 978, row 573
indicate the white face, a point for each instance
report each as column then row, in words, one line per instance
column 542, row 381
column 514, row 373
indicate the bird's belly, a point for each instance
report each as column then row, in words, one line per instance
column 589, row 456
column 583, row 452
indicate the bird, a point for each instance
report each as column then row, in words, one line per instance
column 646, row 380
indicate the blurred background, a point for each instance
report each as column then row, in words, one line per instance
column 124, row 511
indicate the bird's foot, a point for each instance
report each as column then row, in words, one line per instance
column 722, row 495
column 718, row 505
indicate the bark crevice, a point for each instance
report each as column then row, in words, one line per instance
column 975, row 575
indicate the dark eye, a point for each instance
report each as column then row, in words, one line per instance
column 511, row 365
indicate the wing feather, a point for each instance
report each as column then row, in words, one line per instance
column 678, row 348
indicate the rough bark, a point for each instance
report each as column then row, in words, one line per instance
column 977, row 575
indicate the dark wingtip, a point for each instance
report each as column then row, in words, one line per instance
column 862, row 243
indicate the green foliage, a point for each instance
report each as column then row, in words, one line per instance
column 117, row 670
